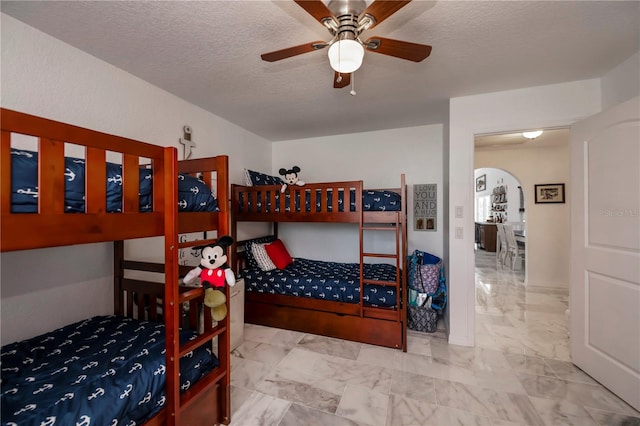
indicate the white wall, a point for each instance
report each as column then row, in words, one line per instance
column 548, row 237
column 378, row 158
column 446, row 227
column 621, row 83
column 556, row 105
column 46, row 77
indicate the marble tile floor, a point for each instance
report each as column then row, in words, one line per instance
column 518, row 374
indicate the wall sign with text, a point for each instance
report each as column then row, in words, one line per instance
column 425, row 207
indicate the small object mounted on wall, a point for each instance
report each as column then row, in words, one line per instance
column 481, row 183
column 549, row 193
column 425, row 207
column 521, row 199
column 187, row 142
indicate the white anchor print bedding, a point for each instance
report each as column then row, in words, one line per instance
column 318, row 279
column 193, row 194
column 107, row 370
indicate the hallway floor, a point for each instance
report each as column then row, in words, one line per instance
column 518, row 374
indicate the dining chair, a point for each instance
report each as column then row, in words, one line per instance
column 501, row 247
column 515, row 252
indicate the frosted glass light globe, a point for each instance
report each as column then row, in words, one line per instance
column 345, row 56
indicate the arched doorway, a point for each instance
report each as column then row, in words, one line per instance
column 499, row 198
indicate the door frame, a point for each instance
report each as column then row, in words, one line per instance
column 558, row 105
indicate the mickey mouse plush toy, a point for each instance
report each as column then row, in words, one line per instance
column 290, row 177
column 214, row 272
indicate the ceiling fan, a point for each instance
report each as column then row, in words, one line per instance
column 346, row 20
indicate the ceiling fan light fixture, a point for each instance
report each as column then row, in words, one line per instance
column 532, row 135
column 345, row 56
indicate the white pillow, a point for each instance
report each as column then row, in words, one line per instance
column 262, row 258
column 247, row 178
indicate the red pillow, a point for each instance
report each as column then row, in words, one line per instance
column 278, row 254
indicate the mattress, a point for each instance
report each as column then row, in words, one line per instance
column 339, row 282
column 102, row 371
column 193, row 194
column 380, row 200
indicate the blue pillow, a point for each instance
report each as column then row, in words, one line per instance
column 257, row 178
column 194, row 195
column 380, row 200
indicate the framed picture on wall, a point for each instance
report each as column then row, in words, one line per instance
column 549, row 193
column 425, row 207
column 481, row 183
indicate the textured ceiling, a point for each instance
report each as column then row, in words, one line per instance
column 549, row 138
column 208, row 53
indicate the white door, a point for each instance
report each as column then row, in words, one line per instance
column 605, row 244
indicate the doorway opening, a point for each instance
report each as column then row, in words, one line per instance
column 512, row 304
column 500, row 218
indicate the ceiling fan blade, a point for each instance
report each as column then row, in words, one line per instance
column 382, row 9
column 293, row 51
column 316, row 8
column 345, row 80
column 400, row 49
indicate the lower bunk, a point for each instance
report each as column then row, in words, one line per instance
column 325, row 318
column 326, row 298
column 112, row 369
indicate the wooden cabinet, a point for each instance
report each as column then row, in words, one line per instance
column 486, row 236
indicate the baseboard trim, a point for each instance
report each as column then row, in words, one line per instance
column 462, row 340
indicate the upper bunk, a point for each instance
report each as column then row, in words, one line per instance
column 66, row 200
column 314, row 202
column 64, row 185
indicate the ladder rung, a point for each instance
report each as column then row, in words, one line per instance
column 197, row 243
column 199, row 341
column 190, row 294
column 380, row 282
column 379, row 228
column 386, row 255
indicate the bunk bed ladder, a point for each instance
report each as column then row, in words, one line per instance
column 211, row 330
column 396, row 256
column 180, row 404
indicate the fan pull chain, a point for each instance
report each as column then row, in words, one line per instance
column 353, row 84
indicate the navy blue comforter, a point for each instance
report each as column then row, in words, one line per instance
column 193, row 194
column 93, row 372
column 318, row 279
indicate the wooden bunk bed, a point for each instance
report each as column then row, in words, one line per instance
column 206, row 398
column 351, row 319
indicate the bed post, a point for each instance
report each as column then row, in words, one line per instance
column 118, row 275
column 224, row 339
column 222, row 193
column 166, row 175
column 233, row 230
